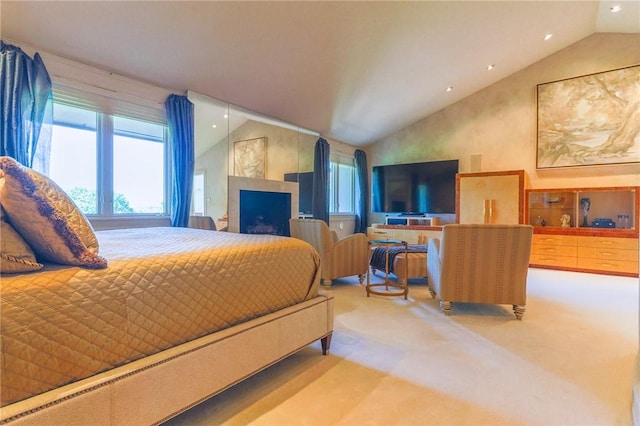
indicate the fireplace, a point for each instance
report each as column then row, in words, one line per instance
column 265, row 212
column 239, row 185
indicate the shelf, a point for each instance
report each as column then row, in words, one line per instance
column 599, row 247
column 549, row 208
column 413, row 221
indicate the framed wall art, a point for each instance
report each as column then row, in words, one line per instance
column 250, row 158
column 589, row 120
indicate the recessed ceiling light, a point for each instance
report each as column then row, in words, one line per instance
column 450, row 88
column 616, row 9
column 490, row 67
column 548, row 36
column 226, row 115
column 214, row 126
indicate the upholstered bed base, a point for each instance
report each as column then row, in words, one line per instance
column 160, row 386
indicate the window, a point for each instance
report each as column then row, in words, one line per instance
column 198, row 197
column 341, row 185
column 109, row 165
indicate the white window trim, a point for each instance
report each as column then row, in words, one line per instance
column 99, row 86
column 89, row 87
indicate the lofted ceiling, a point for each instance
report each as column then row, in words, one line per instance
column 354, row 71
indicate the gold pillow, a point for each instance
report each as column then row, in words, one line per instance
column 47, row 219
column 15, row 254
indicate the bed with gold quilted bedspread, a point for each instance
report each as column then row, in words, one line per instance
column 163, row 287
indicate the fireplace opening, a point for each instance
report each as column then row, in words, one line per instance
column 265, row 212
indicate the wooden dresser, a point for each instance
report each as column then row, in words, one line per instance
column 612, row 250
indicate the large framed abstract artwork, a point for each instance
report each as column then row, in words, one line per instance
column 589, row 120
column 250, row 158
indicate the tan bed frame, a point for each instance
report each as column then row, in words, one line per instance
column 158, row 387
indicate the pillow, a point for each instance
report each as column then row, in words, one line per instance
column 15, row 254
column 46, row 217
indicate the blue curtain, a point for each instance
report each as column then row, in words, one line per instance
column 362, row 192
column 25, row 95
column 181, row 123
column 320, row 201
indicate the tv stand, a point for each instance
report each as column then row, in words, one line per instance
column 413, row 220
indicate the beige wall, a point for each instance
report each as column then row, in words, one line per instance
column 499, row 122
column 282, row 147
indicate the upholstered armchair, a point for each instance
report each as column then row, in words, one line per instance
column 202, row 222
column 340, row 257
column 480, row 264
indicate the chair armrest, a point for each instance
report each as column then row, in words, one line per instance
column 434, row 264
column 354, row 247
column 358, row 240
column 434, row 247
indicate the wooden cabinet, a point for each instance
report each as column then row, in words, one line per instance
column 490, row 197
column 608, row 254
column 554, row 250
column 585, row 245
column 410, row 234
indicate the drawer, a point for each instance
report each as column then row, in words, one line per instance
column 552, row 250
column 559, row 261
column 609, row 242
column 608, row 265
column 556, row 240
column 605, row 253
column 380, row 234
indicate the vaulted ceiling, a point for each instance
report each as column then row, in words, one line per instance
column 353, row 71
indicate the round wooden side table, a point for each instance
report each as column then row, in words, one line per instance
column 391, row 288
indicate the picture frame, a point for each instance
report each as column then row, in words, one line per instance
column 250, row 158
column 589, row 120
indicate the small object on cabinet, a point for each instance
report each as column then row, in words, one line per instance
column 585, row 205
column 565, row 220
column 603, row 222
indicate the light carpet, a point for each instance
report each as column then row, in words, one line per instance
column 570, row 361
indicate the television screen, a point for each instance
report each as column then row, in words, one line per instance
column 305, row 189
column 427, row 187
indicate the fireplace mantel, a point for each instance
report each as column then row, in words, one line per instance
column 238, row 183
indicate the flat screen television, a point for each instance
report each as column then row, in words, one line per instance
column 415, row 188
column 305, row 189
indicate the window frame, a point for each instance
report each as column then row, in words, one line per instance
column 335, row 161
column 105, row 164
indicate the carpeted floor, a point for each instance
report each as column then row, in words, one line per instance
column 570, row 361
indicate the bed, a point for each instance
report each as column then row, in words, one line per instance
column 177, row 316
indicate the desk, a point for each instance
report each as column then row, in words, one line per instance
column 390, row 288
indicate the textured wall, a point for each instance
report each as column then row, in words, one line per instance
column 499, row 122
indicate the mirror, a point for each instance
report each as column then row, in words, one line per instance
column 211, row 134
column 233, row 141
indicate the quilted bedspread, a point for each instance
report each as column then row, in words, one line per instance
column 163, row 287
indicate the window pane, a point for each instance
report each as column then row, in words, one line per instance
column 345, row 189
column 72, row 164
column 138, row 167
column 333, row 187
column 198, row 193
